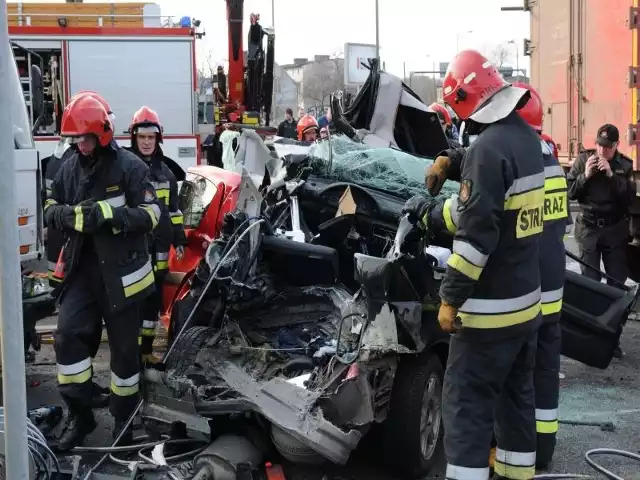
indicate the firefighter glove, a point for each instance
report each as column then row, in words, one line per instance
column 103, row 212
column 78, row 218
column 448, row 318
column 418, row 209
column 437, row 174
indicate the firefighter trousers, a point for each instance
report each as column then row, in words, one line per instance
column 547, row 387
column 83, row 306
column 150, row 312
column 487, row 381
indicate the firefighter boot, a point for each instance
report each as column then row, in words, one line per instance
column 99, row 396
column 80, row 423
column 127, row 437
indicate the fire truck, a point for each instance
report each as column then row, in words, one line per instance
column 140, row 60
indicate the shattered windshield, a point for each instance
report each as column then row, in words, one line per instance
column 387, row 169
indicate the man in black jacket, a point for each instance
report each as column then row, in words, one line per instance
column 104, row 203
column 287, row 127
column 146, row 137
column 602, row 183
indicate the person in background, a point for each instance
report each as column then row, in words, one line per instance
column 324, row 133
column 445, row 121
column 287, row 127
column 146, row 137
column 601, row 181
column 325, row 120
column 307, row 129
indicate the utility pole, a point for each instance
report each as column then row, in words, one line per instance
column 377, row 31
column 11, row 330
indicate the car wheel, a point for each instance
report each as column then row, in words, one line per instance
column 413, row 429
column 179, row 316
column 187, row 347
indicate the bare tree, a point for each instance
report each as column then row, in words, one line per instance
column 321, row 79
column 499, row 55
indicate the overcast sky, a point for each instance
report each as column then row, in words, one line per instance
column 414, row 32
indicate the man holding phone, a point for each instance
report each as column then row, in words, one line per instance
column 601, row 180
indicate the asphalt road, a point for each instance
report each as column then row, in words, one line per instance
column 603, row 397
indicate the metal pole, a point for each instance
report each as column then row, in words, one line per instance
column 377, row 31
column 273, row 14
column 517, row 62
column 11, row 330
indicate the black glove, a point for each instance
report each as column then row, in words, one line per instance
column 418, row 209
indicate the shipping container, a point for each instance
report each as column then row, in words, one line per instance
column 585, row 65
column 582, row 63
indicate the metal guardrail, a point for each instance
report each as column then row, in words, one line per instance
column 24, row 19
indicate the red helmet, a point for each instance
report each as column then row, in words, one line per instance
column 474, row 88
column 532, row 111
column 306, row 123
column 146, row 120
column 86, row 116
column 551, row 143
column 98, row 97
column 442, row 112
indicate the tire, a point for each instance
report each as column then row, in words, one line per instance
column 293, row 450
column 179, row 316
column 417, row 382
column 187, row 347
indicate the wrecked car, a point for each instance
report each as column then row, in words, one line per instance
column 306, row 304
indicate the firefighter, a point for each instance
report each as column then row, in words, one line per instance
column 557, row 222
column 104, row 202
column 307, row 128
column 490, row 295
column 146, row 137
column 445, row 121
column 55, row 238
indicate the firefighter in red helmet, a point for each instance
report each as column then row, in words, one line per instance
column 490, row 295
column 104, row 203
column 445, row 121
column 307, row 129
column 557, row 222
column 146, row 137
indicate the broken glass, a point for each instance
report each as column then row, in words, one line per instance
column 386, row 169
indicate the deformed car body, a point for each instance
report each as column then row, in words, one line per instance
column 320, row 324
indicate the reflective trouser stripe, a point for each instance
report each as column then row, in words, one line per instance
column 79, row 372
column 552, row 301
column 148, row 328
column 515, row 465
column 139, row 280
column 124, row 387
column 547, row 420
column 454, row 472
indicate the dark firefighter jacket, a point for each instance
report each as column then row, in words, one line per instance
column 118, row 183
column 492, row 275
column 170, row 229
column 600, row 195
column 55, row 237
column 557, row 223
